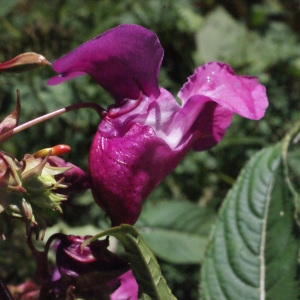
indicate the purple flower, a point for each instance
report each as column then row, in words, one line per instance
column 143, row 137
column 93, row 270
column 73, row 261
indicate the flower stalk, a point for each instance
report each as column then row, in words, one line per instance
column 99, row 109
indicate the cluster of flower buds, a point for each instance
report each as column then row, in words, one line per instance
column 27, row 189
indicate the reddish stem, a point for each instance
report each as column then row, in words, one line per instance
column 99, row 109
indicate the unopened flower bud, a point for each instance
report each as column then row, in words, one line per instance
column 28, row 189
column 56, row 150
column 27, row 210
column 24, row 62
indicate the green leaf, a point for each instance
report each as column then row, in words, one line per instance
column 176, row 247
column 145, row 268
column 291, row 161
column 254, row 247
column 176, row 231
column 177, row 215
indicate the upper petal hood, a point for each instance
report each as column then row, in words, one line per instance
column 124, row 60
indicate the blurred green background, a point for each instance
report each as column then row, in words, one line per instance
column 258, row 38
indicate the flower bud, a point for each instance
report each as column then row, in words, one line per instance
column 56, row 150
column 77, row 179
column 28, row 189
column 24, row 62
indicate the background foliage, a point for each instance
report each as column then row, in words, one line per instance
column 259, row 38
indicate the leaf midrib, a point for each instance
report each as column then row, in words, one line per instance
column 263, row 243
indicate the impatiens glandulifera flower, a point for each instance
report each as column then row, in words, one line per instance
column 28, row 189
column 83, row 273
column 144, row 136
column 73, row 261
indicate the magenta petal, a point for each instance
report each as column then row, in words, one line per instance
column 203, row 124
column 124, row 60
column 210, row 125
column 60, row 79
column 128, row 289
column 199, row 124
column 240, row 94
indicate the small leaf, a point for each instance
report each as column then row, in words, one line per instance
column 24, row 62
column 146, row 270
column 254, row 247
